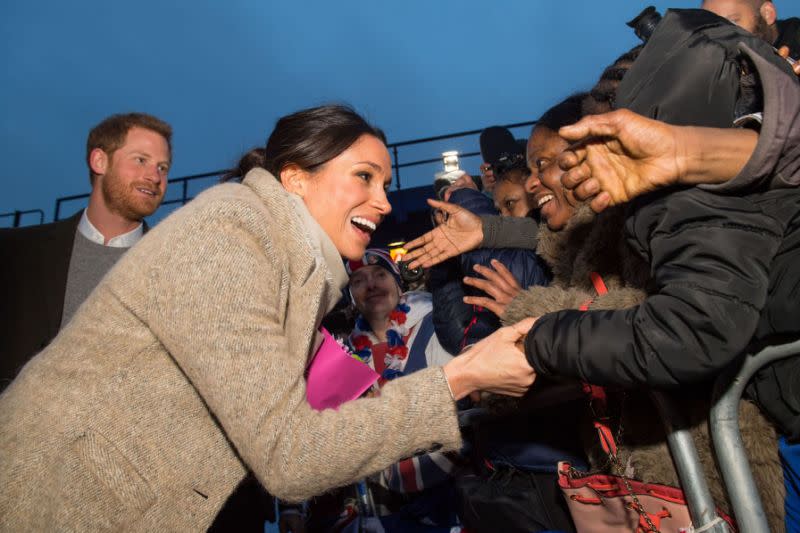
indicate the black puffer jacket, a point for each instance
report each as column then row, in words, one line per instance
column 458, row 324
column 725, row 276
column 721, row 264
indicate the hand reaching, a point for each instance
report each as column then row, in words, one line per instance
column 499, row 284
column 618, row 156
column 459, row 232
column 495, row 364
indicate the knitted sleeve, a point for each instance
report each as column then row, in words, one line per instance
column 224, row 307
column 509, row 232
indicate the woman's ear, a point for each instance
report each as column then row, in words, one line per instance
column 294, row 179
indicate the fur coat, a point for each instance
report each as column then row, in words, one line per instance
column 596, row 243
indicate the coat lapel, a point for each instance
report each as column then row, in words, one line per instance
column 307, row 284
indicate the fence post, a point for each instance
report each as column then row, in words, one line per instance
column 396, row 168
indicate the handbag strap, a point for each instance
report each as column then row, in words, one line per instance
column 598, row 402
column 599, row 287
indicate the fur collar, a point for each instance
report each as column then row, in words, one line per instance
column 588, row 243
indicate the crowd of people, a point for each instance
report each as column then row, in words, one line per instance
column 643, row 237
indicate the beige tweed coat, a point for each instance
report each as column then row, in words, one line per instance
column 184, row 368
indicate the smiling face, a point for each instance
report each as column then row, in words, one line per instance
column 133, row 180
column 375, row 293
column 347, row 195
column 510, row 196
column 544, row 183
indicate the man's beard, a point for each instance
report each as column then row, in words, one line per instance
column 121, row 198
column 762, row 29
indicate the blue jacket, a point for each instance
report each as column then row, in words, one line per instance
column 458, row 324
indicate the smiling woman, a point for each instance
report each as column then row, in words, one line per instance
column 556, row 205
column 347, row 196
column 185, row 368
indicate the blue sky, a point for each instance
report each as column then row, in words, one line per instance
column 222, row 72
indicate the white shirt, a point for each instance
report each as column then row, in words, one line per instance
column 126, row 240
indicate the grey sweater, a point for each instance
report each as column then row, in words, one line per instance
column 87, row 266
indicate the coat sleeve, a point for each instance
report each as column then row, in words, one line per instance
column 220, row 306
column 509, row 232
column 710, row 258
column 526, row 267
column 451, row 315
column 775, row 162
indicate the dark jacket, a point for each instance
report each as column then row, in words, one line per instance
column 718, row 278
column 592, row 243
column 458, row 324
column 721, row 268
column 789, row 35
column 725, row 278
column 721, row 272
column 33, row 276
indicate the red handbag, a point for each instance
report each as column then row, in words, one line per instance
column 611, row 503
column 608, row 503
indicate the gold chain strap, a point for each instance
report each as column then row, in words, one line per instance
column 637, row 505
column 614, row 461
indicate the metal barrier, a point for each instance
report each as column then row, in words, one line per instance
column 395, row 149
column 724, row 424
column 732, row 460
column 687, row 463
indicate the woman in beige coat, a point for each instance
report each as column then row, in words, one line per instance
column 184, row 369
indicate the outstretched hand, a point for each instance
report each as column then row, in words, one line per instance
column 618, row 156
column 498, row 283
column 459, row 231
column 495, row 364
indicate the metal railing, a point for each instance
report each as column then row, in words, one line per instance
column 393, row 148
column 16, row 216
column 184, row 183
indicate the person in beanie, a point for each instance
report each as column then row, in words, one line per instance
column 394, row 335
column 498, row 145
column 390, row 322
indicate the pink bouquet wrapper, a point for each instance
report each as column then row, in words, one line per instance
column 334, row 377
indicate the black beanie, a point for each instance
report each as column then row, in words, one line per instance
column 496, row 142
